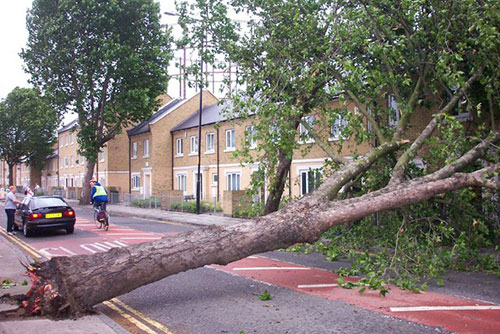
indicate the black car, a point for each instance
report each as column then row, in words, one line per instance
column 44, row 213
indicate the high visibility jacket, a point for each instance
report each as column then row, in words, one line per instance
column 99, row 191
column 98, row 194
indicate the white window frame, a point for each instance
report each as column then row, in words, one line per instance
column 193, row 145
column 306, row 172
column 136, row 181
column 336, row 129
column 66, row 162
column 67, row 140
column 392, row 104
column 134, row 150
column 304, row 132
column 251, row 134
column 195, row 181
column 72, row 161
column 179, row 147
column 102, row 154
column 215, row 179
column 72, row 138
column 146, row 148
column 210, row 143
column 181, row 179
column 233, row 177
column 230, row 140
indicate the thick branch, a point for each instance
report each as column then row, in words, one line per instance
column 400, row 167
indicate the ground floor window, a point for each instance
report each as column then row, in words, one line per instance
column 233, row 181
column 181, row 182
column 136, row 181
column 309, row 180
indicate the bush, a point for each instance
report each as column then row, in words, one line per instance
column 190, row 206
column 153, row 202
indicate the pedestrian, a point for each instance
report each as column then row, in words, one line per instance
column 37, row 189
column 10, row 209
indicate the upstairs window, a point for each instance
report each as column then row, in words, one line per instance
column 230, row 139
column 134, row 150
column 210, row 142
column 339, row 124
column 146, row 148
column 394, row 115
column 193, row 144
column 251, row 136
column 304, row 132
column 178, row 145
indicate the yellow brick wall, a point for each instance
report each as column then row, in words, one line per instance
column 161, row 150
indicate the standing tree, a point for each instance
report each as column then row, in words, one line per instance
column 433, row 55
column 27, row 129
column 105, row 61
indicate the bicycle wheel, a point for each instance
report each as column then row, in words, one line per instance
column 98, row 224
column 106, row 224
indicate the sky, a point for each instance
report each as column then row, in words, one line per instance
column 14, row 36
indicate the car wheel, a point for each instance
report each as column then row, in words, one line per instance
column 27, row 233
column 70, row 230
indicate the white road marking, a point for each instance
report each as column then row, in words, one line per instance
column 445, row 308
column 306, row 286
column 133, row 233
column 271, row 268
column 142, row 238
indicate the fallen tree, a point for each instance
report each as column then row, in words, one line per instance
column 71, row 286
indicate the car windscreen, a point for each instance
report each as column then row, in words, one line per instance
column 47, row 202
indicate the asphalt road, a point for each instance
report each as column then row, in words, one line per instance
column 211, row 301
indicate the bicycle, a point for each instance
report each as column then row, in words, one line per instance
column 101, row 217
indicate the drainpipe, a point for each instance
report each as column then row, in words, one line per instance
column 129, row 167
column 218, row 161
column 172, row 159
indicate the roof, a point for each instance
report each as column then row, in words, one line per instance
column 210, row 114
column 69, row 126
column 144, row 126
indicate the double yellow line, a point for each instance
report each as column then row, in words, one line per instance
column 129, row 314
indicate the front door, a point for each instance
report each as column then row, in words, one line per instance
column 147, row 185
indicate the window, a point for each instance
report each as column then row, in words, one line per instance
column 210, row 142
column 82, row 160
column 338, row 125
column 72, row 182
column 230, row 140
column 215, row 178
column 67, row 140
column 194, row 144
column 72, row 138
column 201, row 184
column 146, row 148
column 134, row 150
column 251, row 136
column 181, row 182
column 304, row 133
column 136, row 181
column 61, row 140
column 66, row 164
column 62, row 163
column 394, row 115
column 233, row 181
column 178, row 145
column 309, row 180
column 101, row 154
column 102, row 180
column 72, row 161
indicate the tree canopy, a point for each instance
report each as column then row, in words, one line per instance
column 105, row 61
column 28, row 125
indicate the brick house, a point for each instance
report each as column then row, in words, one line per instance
column 151, row 146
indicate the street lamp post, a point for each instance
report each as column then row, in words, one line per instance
column 198, row 177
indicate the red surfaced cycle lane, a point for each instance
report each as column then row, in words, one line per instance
column 432, row 309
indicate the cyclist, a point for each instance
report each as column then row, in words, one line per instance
column 98, row 196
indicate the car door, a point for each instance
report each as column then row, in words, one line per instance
column 22, row 212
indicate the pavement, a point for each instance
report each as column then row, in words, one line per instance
column 13, row 274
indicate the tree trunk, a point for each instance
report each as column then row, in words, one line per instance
column 274, row 198
column 73, row 285
column 35, row 176
column 11, row 175
column 89, row 172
